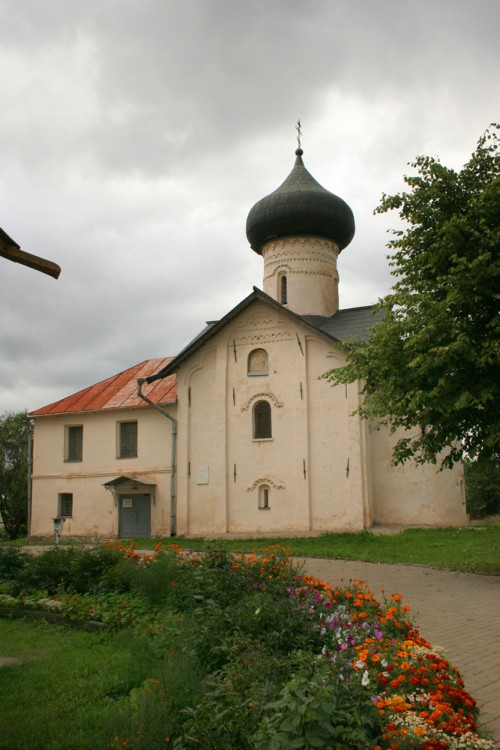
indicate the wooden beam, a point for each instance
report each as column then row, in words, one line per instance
column 11, row 250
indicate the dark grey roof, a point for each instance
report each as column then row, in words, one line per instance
column 300, row 206
column 351, row 324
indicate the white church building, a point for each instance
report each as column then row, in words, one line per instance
column 239, row 433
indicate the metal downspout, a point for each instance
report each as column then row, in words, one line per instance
column 158, row 408
column 30, row 478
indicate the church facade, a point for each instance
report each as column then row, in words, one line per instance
column 240, row 433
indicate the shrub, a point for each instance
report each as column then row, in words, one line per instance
column 89, row 566
column 118, row 577
column 45, row 572
column 157, row 580
column 482, row 487
column 319, row 709
column 12, row 561
column 234, row 700
column 65, row 568
column 156, row 708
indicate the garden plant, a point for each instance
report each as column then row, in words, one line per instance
column 227, row 652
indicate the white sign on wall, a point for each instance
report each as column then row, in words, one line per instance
column 127, row 502
column 202, row 475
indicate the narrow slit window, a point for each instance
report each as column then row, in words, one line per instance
column 283, row 289
column 264, row 497
column 262, row 427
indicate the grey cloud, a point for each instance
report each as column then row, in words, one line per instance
column 135, row 137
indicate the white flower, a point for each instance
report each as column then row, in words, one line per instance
column 365, row 680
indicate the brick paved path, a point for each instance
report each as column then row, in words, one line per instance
column 458, row 611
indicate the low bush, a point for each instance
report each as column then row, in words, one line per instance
column 75, row 569
column 482, row 488
column 12, row 560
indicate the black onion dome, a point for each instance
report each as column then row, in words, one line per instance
column 300, row 206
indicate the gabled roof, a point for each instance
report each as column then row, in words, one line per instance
column 117, row 392
column 346, row 325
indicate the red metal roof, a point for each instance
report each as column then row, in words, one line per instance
column 118, row 392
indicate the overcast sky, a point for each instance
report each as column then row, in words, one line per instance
column 135, row 136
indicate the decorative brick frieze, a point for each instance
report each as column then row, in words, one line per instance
column 275, row 483
column 259, row 396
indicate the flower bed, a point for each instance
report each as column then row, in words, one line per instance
column 286, row 660
column 420, row 698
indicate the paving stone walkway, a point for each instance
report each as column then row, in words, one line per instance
column 458, row 611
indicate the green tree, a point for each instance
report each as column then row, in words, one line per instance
column 14, row 439
column 431, row 366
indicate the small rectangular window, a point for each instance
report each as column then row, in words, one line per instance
column 127, row 439
column 74, row 443
column 66, row 505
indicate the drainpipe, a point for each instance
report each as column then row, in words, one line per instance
column 29, row 478
column 140, row 382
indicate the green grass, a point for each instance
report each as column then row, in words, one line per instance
column 71, row 690
column 471, row 549
column 474, row 549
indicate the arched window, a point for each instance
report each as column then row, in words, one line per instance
column 283, row 290
column 262, row 428
column 264, row 494
column 258, row 363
